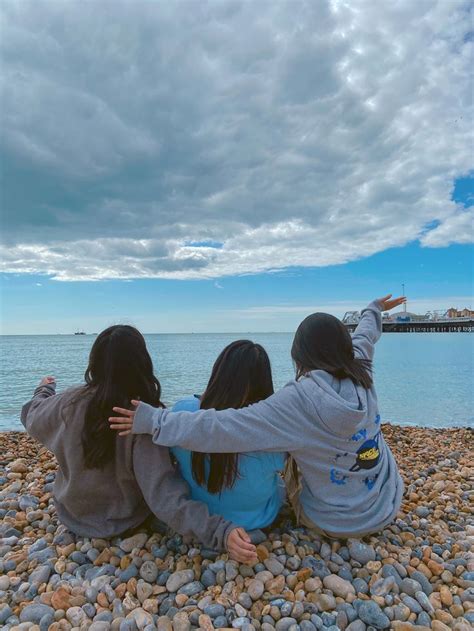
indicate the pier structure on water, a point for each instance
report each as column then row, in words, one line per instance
column 431, row 322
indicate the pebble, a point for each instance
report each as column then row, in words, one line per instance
column 255, row 589
column 370, row 613
column 338, row 585
column 34, row 613
column 361, row 552
column 137, row 541
column 178, row 579
column 416, row 574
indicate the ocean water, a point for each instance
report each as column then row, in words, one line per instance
column 422, row 379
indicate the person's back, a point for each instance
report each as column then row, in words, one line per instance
column 253, row 505
column 98, row 502
column 106, row 486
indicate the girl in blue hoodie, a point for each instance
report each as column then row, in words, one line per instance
column 226, row 482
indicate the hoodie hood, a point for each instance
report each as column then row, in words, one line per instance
column 340, row 404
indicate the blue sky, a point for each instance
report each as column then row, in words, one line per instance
column 234, row 166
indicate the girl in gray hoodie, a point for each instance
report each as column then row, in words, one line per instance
column 327, row 419
column 105, row 486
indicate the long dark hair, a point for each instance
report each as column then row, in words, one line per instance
column 120, row 369
column 241, row 375
column 322, row 342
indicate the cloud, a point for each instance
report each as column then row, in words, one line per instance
column 205, row 140
column 458, row 228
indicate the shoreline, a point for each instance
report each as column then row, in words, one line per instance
column 416, row 574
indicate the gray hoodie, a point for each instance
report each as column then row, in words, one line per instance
column 107, row 502
column 351, row 484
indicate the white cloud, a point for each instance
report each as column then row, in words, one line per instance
column 294, row 134
column 458, row 228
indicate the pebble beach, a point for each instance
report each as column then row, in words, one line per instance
column 416, row 574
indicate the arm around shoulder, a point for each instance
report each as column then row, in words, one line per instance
column 270, row 425
column 167, row 496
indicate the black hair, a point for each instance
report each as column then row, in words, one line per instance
column 241, row 375
column 120, row 369
column 322, row 342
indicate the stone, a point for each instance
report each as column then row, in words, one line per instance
column 140, row 617
column 423, row 599
column 370, row 613
column 325, row 602
column 409, row 586
column 178, row 579
column 76, row 616
column 255, row 589
column 136, row 541
column 149, row 571
column 338, row 585
column 274, row 566
column 361, row 552
column 214, row 611
column 284, row 624
column 34, row 613
column 356, row 625
column 164, row 624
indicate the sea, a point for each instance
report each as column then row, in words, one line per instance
column 424, row 379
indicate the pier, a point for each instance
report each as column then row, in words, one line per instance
column 448, row 325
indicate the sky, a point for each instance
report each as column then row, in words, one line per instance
column 232, row 166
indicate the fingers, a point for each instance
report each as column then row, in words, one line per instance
column 239, row 549
column 135, row 403
column 124, row 411
column 120, row 424
column 385, row 298
column 243, row 556
column 125, row 433
column 244, row 535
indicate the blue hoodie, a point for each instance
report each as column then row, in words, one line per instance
column 248, row 504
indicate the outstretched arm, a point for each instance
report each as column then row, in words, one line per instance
column 369, row 329
column 167, row 495
column 271, row 425
column 41, row 415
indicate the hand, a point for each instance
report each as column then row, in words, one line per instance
column 124, row 423
column 47, row 381
column 240, row 547
column 386, row 304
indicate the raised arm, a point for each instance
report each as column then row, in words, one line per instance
column 271, row 425
column 167, row 495
column 369, row 329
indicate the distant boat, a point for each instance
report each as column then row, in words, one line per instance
column 79, row 333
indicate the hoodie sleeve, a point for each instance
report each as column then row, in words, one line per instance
column 276, row 424
column 167, row 495
column 42, row 416
column 368, row 331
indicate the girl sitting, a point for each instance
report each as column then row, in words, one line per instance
column 244, row 488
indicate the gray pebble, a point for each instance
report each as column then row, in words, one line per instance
column 422, row 598
column 409, row 586
column 284, row 624
column 370, row 613
column 34, row 613
column 361, row 552
column 149, row 571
